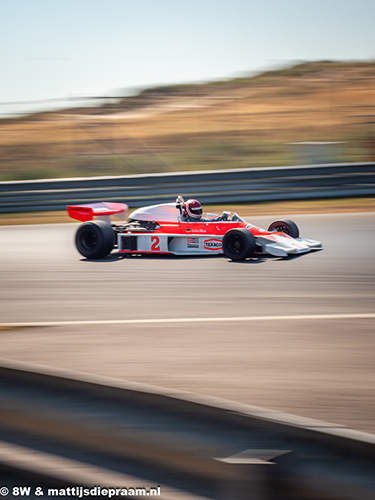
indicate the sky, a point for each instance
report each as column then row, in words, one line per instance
column 76, row 48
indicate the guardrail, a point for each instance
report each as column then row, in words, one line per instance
column 219, row 186
column 223, row 448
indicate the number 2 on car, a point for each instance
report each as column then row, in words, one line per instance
column 155, row 244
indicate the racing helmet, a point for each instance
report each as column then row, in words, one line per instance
column 193, row 209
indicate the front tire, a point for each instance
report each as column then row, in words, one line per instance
column 238, row 244
column 285, row 226
column 95, row 240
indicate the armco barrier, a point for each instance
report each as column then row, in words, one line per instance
column 219, row 186
column 226, row 449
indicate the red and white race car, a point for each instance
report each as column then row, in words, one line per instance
column 167, row 229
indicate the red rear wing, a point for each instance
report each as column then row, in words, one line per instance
column 87, row 212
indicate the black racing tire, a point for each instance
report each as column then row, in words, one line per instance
column 238, row 244
column 95, row 239
column 285, row 226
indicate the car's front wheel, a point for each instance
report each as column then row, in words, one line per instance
column 285, row 226
column 238, row 244
column 95, row 239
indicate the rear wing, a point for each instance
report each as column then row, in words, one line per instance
column 102, row 210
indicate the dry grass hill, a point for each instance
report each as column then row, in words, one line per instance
column 327, row 108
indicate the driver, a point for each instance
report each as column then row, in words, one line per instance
column 191, row 211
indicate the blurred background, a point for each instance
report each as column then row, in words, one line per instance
column 111, row 88
column 318, row 112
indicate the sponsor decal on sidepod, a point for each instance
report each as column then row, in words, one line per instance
column 213, row 244
column 193, row 242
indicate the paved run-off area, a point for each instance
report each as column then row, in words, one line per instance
column 317, row 362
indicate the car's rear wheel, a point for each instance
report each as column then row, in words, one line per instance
column 285, row 226
column 238, row 244
column 95, row 240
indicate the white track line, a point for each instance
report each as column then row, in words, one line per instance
column 189, row 320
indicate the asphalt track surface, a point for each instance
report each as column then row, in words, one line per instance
column 301, row 339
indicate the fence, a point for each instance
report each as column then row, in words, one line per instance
column 210, row 187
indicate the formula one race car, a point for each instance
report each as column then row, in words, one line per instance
column 178, row 228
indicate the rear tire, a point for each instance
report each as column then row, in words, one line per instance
column 285, row 226
column 95, row 240
column 238, row 244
